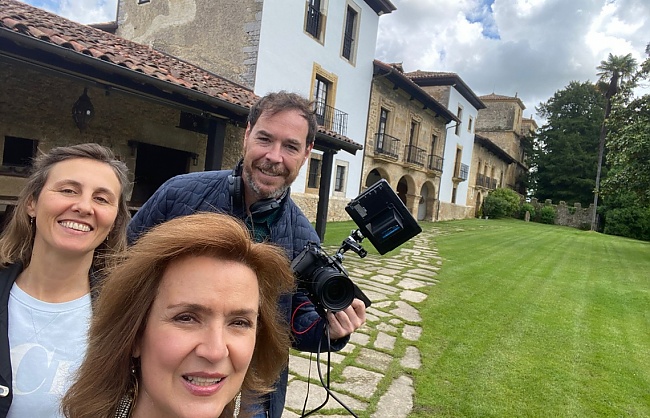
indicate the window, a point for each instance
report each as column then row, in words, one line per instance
column 459, row 114
column 434, row 143
column 350, row 32
column 323, row 94
column 413, row 133
column 321, row 99
column 470, row 124
column 339, row 181
column 314, row 19
column 313, row 177
column 17, row 155
column 381, row 130
column 454, row 192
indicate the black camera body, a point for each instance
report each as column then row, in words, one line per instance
column 325, row 280
column 382, row 217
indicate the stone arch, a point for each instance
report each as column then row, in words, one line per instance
column 406, row 191
column 375, row 175
column 427, row 203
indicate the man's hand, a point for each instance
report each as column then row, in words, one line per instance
column 345, row 322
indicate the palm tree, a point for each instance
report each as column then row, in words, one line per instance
column 617, row 68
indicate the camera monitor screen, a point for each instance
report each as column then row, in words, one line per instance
column 382, row 217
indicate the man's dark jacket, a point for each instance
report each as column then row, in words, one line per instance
column 208, row 191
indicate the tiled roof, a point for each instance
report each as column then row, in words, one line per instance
column 94, row 43
column 436, row 78
column 499, row 97
column 429, row 74
column 395, row 74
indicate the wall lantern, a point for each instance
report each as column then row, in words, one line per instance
column 83, row 111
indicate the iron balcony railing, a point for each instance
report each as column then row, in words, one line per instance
column 435, row 162
column 485, row 181
column 461, row 171
column 414, row 155
column 314, row 17
column 386, row 145
column 332, row 118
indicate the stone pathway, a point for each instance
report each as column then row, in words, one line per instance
column 371, row 375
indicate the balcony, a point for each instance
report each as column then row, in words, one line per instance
column 332, row 118
column 386, row 145
column 435, row 163
column 313, row 21
column 461, row 171
column 486, row 182
column 414, row 155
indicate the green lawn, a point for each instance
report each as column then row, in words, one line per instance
column 532, row 320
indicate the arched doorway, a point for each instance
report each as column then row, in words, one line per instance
column 402, row 189
column 479, row 202
column 373, row 177
column 427, row 202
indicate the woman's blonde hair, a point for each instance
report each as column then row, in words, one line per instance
column 129, row 290
column 17, row 240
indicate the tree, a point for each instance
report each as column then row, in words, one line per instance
column 566, row 147
column 617, row 68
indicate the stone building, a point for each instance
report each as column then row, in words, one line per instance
column 322, row 49
column 452, row 92
column 160, row 115
column 502, row 122
column 489, row 165
column 405, row 140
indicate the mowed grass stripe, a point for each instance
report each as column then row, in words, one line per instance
column 535, row 320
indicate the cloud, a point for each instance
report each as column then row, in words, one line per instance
column 83, row 11
column 529, row 47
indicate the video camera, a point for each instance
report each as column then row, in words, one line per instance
column 383, row 219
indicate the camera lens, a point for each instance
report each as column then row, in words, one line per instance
column 334, row 290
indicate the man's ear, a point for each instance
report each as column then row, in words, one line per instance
column 247, row 132
column 308, row 152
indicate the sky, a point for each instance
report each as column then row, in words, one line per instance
column 528, row 48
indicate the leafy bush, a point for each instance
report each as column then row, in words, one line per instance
column 547, row 215
column 501, row 203
column 631, row 222
column 527, row 207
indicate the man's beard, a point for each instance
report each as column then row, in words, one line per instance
column 274, row 194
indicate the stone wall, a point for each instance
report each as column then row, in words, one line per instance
column 309, row 204
column 417, row 184
column 451, row 211
column 574, row 216
column 220, row 36
column 36, row 105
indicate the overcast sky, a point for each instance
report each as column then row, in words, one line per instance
column 531, row 48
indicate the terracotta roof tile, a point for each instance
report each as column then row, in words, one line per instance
column 97, row 44
column 493, row 96
column 429, row 74
column 36, row 23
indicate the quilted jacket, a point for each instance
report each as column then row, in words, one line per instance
column 208, row 191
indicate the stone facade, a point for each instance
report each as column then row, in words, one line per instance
column 417, row 184
column 183, row 28
column 36, row 105
column 503, row 123
column 488, row 172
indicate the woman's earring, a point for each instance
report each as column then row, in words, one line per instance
column 127, row 403
column 235, row 413
column 31, row 220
